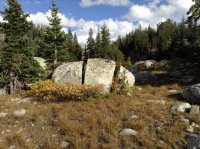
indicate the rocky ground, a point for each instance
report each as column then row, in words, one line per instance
column 152, row 115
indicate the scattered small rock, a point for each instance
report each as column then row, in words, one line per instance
column 8, row 131
column 3, row 114
column 160, row 143
column 20, row 130
column 159, row 128
column 184, row 120
column 133, row 117
column 19, row 113
column 129, row 94
column 162, row 102
column 17, row 122
column 12, row 147
column 64, row 144
column 172, row 91
column 181, row 107
column 24, row 100
column 193, row 141
column 190, row 129
column 194, row 125
column 194, row 110
column 15, row 99
column 128, row 132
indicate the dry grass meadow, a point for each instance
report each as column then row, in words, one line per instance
column 96, row 123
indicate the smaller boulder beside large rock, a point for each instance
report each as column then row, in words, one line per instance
column 192, row 94
column 127, row 76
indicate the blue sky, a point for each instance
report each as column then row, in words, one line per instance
column 121, row 16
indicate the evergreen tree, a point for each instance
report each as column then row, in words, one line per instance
column 17, row 64
column 194, row 17
column 105, row 51
column 77, row 48
column 165, row 36
column 141, row 43
column 55, row 39
column 37, row 35
column 70, row 40
column 90, row 45
column 98, row 44
column 152, row 37
column 194, row 12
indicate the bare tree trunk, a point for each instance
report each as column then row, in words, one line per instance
column 11, row 84
column 15, row 85
column 55, row 57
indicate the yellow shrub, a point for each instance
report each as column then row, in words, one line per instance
column 50, row 91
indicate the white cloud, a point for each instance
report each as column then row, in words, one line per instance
column 81, row 26
column 39, row 18
column 155, row 12
column 139, row 13
column 88, row 3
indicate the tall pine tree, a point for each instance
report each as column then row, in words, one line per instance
column 17, row 64
column 77, row 48
column 55, row 39
column 98, row 44
column 194, row 12
column 194, row 17
column 105, row 43
column 91, row 45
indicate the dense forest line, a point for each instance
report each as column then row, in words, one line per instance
column 22, row 40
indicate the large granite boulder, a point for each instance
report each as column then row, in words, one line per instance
column 69, row 73
column 192, row 94
column 96, row 72
column 41, row 62
column 100, row 71
column 127, row 75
